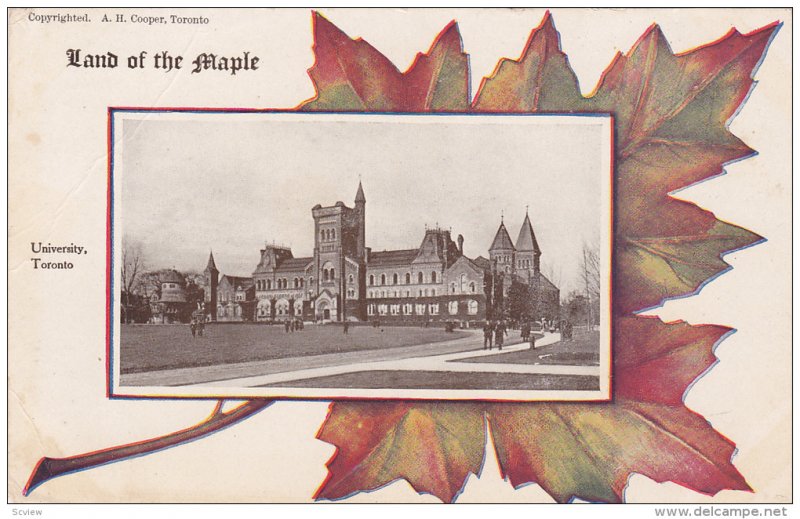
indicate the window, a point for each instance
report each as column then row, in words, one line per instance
column 472, row 307
column 394, row 279
column 408, row 309
column 395, row 309
column 408, row 278
column 351, row 293
column 350, row 279
column 333, row 234
column 333, row 274
column 433, row 277
column 433, row 308
column 452, row 288
column 433, row 292
column 322, row 235
column 426, row 291
column 420, row 309
column 370, row 309
column 324, row 274
column 452, row 307
column 472, row 287
column 383, row 279
column 296, row 283
column 371, row 280
column 420, row 278
column 383, row 309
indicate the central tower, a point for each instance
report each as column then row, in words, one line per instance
column 339, row 258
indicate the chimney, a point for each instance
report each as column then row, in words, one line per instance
column 461, row 244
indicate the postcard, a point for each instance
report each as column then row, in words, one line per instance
column 395, row 256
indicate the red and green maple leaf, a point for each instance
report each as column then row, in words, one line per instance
column 671, row 117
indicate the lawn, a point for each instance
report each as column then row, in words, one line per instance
column 448, row 380
column 583, row 350
column 159, row 347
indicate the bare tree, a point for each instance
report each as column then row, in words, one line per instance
column 132, row 268
column 590, row 275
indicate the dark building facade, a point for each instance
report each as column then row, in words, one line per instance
column 345, row 280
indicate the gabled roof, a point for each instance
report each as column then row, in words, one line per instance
column 502, row 241
column 463, row 260
column 482, row 262
column 526, row 241
column 545, row 283
column 294, row 265
column 392, row 258
column 239, row 282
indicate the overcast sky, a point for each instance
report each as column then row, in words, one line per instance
column 190, row 183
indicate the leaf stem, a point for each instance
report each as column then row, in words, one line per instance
column 49, row 468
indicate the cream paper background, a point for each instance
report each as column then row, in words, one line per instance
column 57, row 193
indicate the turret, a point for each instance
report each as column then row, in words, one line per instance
column 360, row 207
column 502, row 251
column 528, row 251
column 211, row 275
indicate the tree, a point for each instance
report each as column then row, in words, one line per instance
column 519, row 302
column 590, row 276
column 132, row 268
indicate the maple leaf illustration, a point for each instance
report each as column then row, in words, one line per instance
column 671, row 123
column 671, row 116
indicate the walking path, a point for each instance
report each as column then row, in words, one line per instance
column 204, row 374
column 442, row 356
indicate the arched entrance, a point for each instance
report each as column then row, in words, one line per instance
column 323, row 311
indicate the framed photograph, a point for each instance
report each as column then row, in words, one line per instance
column 260, row 279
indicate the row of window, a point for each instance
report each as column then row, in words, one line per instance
column 371, row 294
column 229, row 312
column 266, row 284
column 419, row 308
column 281, row 309
column 327, row 235
column 224, row 298
column 395, row 278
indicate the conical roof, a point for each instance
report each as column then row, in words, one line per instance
column 360, row 194
column 211, row 265
column 502, row 241
column 526, row 241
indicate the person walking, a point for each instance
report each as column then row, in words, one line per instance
column 193, row 326
column 525, row 331
column 286, row 325
column 499, row 334
column 487, row 335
